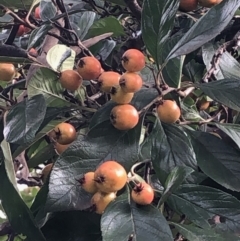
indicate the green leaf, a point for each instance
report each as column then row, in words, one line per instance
column 170, row 148
column 225, row 91
column 60, row 57
column 123, row 219
column 207, row 28
column 45, row 81
column 47, row 10
column 19, row 216
column 24, row 119
column 103, row 142
column 174, row 180
column 157, row 23
column 202, row 205
column 172, row 72
column 232, row 130
column 83, row 22
column 193, row 233
column 106, row 25
column 212, row 152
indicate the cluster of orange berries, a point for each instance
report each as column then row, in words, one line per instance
column 121, row 88
column 109, row 178
column 190, row 5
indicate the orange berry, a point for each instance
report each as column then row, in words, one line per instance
column 37, row 13
column 131, row 82
column 7, row 71
column 21, row 30
column 100, row 201
column 208, row 3
column 110, row 176
column 89, row 68
column 168, row 111
column 119, row 96
column 60, row 148
column 107, row 80
column 124, row 117
column 142, row 194
column 70, row 79
column 133, row 60
column 88, row 183
column 188, row 5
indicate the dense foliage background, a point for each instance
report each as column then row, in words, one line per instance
column 193, row 165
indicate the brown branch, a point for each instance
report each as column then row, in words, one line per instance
column 134, row 7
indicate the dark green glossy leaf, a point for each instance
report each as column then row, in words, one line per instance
column 207, row 28
column 206, row 206
column 125, row 219
column 106, row 25
column 103, row 142
column 170, row 148
column 24, row 119
column 47, row 9
column 212, row 152
column 193, row 233
column 157, row 22
column 174, row 180
column 19, row 216
column 233, row 131
column 225, row 91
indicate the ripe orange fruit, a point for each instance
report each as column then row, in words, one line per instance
column 70, row 79
column 110, row 176
column 7, row 71
column 21, row 30
column 142, row 194
column 89, row 68
column 46, row 172
column 37, row 13
column 208, row 3
column 119, row 96
column 168, row 111
column 64, row 133
column 100, row 201
column 203, row 104
column 188, row 5
column 60, row 148
column 107, row 80
column 131, row 82
column 124, row 117
column 133, row 60
column 87, row 182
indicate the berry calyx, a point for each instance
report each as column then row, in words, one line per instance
column 130, row 82
column 124, row 117
column 142, row 194
column 133, row 60
column 100, row 201
column 188, row 5
column 7, row 71
column 168, row 111
column 87, row 182
column 70, row 79
column 119, row 96
column 110, row 176
column 107, row 80
column 64, row 133
column 89, row 68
